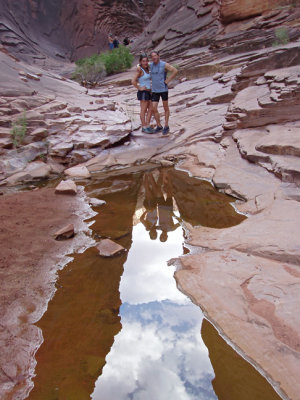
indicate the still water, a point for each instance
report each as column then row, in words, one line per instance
column 159, row 354
column 118, row 328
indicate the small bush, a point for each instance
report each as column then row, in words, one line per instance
column 89, row 69
column 117, row 60
column 282, row 36
column 18, row 130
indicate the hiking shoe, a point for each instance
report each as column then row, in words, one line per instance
column 158, row 129
column 148, row 130
column 166, row 130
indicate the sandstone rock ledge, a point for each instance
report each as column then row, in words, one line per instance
column 247, row 278
column 247, row 281
column 29, row 261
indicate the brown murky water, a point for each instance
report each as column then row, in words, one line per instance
column 118, row 328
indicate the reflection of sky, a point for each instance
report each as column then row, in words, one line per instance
column 159, row 354
column 147, row 277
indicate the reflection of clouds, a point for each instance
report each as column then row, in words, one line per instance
column 158, row 358
column 159, row 354
column 146, row 276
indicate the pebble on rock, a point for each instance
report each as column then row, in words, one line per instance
column 28, row 75
column 65, row 233
column 96, row 202
column 166, row 163
column 78, row 172
column 217, row 76
column 66, row 187
column 108, row 248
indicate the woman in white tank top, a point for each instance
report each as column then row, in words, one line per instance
column 142, row 81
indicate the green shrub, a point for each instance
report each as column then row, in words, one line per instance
column 117, row 60
column 282, row 36
column 89, row 69
column 18, row 130
column 92, row 69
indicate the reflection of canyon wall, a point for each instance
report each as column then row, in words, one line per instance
column 72, row 28
column 202, row 205
column 235, row 378
column 83, row 318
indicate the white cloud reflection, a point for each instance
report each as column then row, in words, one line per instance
column 147, row 277
column 159, row 353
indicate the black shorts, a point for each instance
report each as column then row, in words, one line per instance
column 163, row 95
column 144, row 95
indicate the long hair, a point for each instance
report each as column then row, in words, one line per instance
column 142, row 56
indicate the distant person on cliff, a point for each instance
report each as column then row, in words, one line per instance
column 159, row 70
column 126, row 41
column 142, row 81
column 110, row 41
column 116, row 42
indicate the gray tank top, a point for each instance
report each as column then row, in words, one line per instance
column 145, row 79
column 158, row 75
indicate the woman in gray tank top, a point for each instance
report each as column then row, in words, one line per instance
column 142, row 81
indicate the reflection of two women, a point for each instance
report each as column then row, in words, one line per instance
column 159, row 206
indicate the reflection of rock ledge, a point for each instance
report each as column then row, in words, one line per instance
column 232, row 372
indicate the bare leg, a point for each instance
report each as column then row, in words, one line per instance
column 149, row 113
column 144, row 106
column 167, row 112
column 167, row 183
column 146, row 185
column 156, row 113
column 154, row 185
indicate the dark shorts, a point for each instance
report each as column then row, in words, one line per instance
column 163, row 95
column 144, row 95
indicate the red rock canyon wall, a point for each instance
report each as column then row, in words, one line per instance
column 68, row 28
column 234, row 10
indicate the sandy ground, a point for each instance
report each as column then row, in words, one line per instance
column 29, row 260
